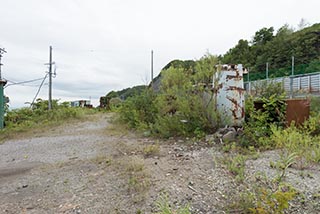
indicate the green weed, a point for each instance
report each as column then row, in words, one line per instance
column 38, row 118
column 164, row 206
column 138, row 178
column 262, row 198
column 299, row 141
column 235, row 165
column 151, row 150
column 283, row 164
column 182, row 107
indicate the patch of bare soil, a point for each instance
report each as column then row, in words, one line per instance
column 97, row 167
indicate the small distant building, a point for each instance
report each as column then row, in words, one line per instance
column 81, row 103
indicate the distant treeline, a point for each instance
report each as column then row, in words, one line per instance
column 277, row 49
column 122, row 95
column 267, row 46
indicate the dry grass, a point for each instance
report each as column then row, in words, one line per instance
column 102, row 160
column 151, row 150
column 132, row 169
column 116, row 129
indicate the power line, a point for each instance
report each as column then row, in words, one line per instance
column 19, row 83
column 35, row 97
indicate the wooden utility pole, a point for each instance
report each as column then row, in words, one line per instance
column 50, row 79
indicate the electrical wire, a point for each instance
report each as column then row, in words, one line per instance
column 19, row 83
column 35, row 97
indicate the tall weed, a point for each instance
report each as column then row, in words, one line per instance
column 298, row 141
column 24, row 119
column 180, row 108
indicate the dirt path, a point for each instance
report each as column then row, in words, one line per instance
column 96, row 167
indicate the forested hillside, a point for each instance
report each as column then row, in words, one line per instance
column 277, row 49
column 121, row 95
column 267, row 46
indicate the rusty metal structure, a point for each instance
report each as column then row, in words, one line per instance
column 229, row 94
column 297, row 110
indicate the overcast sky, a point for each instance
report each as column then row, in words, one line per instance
column 104, row 45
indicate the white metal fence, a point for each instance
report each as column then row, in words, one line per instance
column 302, row 85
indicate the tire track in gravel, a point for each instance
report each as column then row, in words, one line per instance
column 73, row 141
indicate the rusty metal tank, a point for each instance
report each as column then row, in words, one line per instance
column 229, row 94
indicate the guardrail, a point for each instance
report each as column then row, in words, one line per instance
column 302, row 85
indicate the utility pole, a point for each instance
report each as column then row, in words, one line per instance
column 50, row 79
column 2, row 83
column 151, row 68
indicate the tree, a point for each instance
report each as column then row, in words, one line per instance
column 241, row 53
column 204, row 69
column 277, row 50
column 285, row 30
column 263, row 36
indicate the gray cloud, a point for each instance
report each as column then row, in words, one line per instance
column 103, row 45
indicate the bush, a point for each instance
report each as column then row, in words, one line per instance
column 298, row 141
column 115, row 103
column 24, row 119
column 182, row 107
column 265, row 197
column 258, row 122
column 139, row 111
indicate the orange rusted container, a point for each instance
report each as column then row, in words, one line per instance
column 297, row 110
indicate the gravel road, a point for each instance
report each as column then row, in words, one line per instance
column 94, row 167
column 74, row 141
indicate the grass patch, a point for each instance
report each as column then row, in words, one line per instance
column 132, row 169
column 235, row 164
column 164, row 206
column 26, row 121
column 261, row 196
column 116, row 128
column 299, row 141
column 102, row 160
column 151, row 150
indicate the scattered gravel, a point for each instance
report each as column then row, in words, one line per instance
column 83, row 168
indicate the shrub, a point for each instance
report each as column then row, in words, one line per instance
column 182, row 107
column 139, row 111
column 273, row 200
column 265, row 197
column 115, row 103
column 24, row 119
column 267, row 88
column 294, row 140
column 258, row 122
